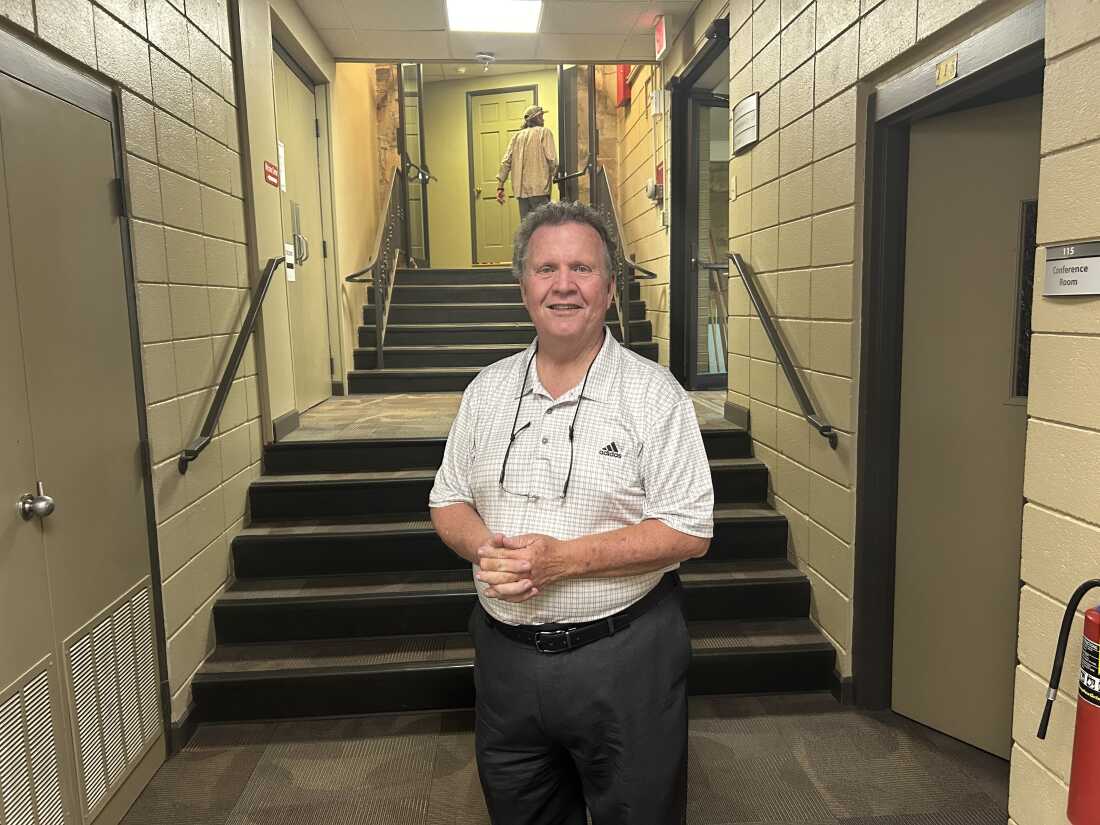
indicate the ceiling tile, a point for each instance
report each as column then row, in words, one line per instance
column 389, row 45
column 397, row 15
column 637, row 47
column 326, row 14
column 342, row 42
column 573, row 17
column 579, row 47
column 464, row 45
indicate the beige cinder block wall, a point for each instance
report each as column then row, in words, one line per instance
column 1061, row 532
column 174, row 65
column 796, row 216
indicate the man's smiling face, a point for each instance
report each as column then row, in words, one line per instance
column 565, row 288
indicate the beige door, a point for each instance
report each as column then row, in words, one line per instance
column 494, row 118
column 75, row 584
column 296, row 126
column 961, row 450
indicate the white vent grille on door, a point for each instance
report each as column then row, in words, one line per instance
column 113, row 667
column 30, row 787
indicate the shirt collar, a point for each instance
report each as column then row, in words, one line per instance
column 598, row 388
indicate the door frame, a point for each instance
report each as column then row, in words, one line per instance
column 1004, row 51
column 403, row 151
column 321, row 114
column 683, row 228
column 593, row 131
column 531, row 87
column 57, row 75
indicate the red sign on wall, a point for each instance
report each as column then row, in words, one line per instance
column 622, row 85
column 659, row 41
column 271, row 173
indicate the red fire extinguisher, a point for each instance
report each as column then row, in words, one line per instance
column 1084, row 780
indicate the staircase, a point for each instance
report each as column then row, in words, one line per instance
column 346, row 602
column 446, row 324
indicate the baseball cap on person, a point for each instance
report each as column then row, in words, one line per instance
column 532, row 111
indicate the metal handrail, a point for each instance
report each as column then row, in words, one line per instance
column 562, row 178
column 359, row 276
column 206, row 434
column 770, row 329
column 383, row 265
column 626, row 270
column 723, row 312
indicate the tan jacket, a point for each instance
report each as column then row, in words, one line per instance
column 532, row 160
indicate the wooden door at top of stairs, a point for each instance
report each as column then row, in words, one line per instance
column 80, row 710
column 961, row 446
column 494, row 119
column 296, row 126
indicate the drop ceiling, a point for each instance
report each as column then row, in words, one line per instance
column 434, row 72
column 607, row 31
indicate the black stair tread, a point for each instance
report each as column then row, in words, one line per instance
column 437, row 347
column 386, row 652
column 460, row 581
column 735, row 463
column 419, row 371
column 701, row 571
column 421, row 523
column 745, row 512
column 425, row 473
column 339, row 653
column 723, row 636
column 321, row 588
column 323, row 479
column 356, row 526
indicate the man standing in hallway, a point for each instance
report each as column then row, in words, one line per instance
column 532, row 161
column 575, row 482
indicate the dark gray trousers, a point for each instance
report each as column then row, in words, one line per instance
column 603, row 726
column 531, row 204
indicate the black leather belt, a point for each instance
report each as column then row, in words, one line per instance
column 563, row 638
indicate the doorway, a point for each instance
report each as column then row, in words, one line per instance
column 82, row 655
column 297, row 130
column 494, row 117
column 578, row 137
column 949, row 249
column 699, row 237
column 410, row 139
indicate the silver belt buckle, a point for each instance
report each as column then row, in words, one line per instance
column 549, row 641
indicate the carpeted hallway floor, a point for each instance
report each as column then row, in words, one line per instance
column 755, row 760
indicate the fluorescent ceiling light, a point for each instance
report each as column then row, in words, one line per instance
column 520, row 16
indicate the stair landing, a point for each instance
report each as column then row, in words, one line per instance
column 427, row 415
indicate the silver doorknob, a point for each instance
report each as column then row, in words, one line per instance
column 31, row 505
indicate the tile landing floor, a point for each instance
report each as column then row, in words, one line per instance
column 426, row 415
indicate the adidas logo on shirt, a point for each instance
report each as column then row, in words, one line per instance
column 611, row 450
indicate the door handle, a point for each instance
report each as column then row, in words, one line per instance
column 301, row 248
column 477, row 191
column 31, row 505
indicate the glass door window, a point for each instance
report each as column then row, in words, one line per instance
column 414, row 163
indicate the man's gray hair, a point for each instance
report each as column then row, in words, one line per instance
column 557, row 213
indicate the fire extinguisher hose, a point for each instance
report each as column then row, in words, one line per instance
column 1060, row 653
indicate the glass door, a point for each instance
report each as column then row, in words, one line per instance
column 414, row 163
column 577, row 136
column 710, row 242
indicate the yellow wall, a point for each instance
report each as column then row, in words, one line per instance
column 356, row 187
column 447, row 154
